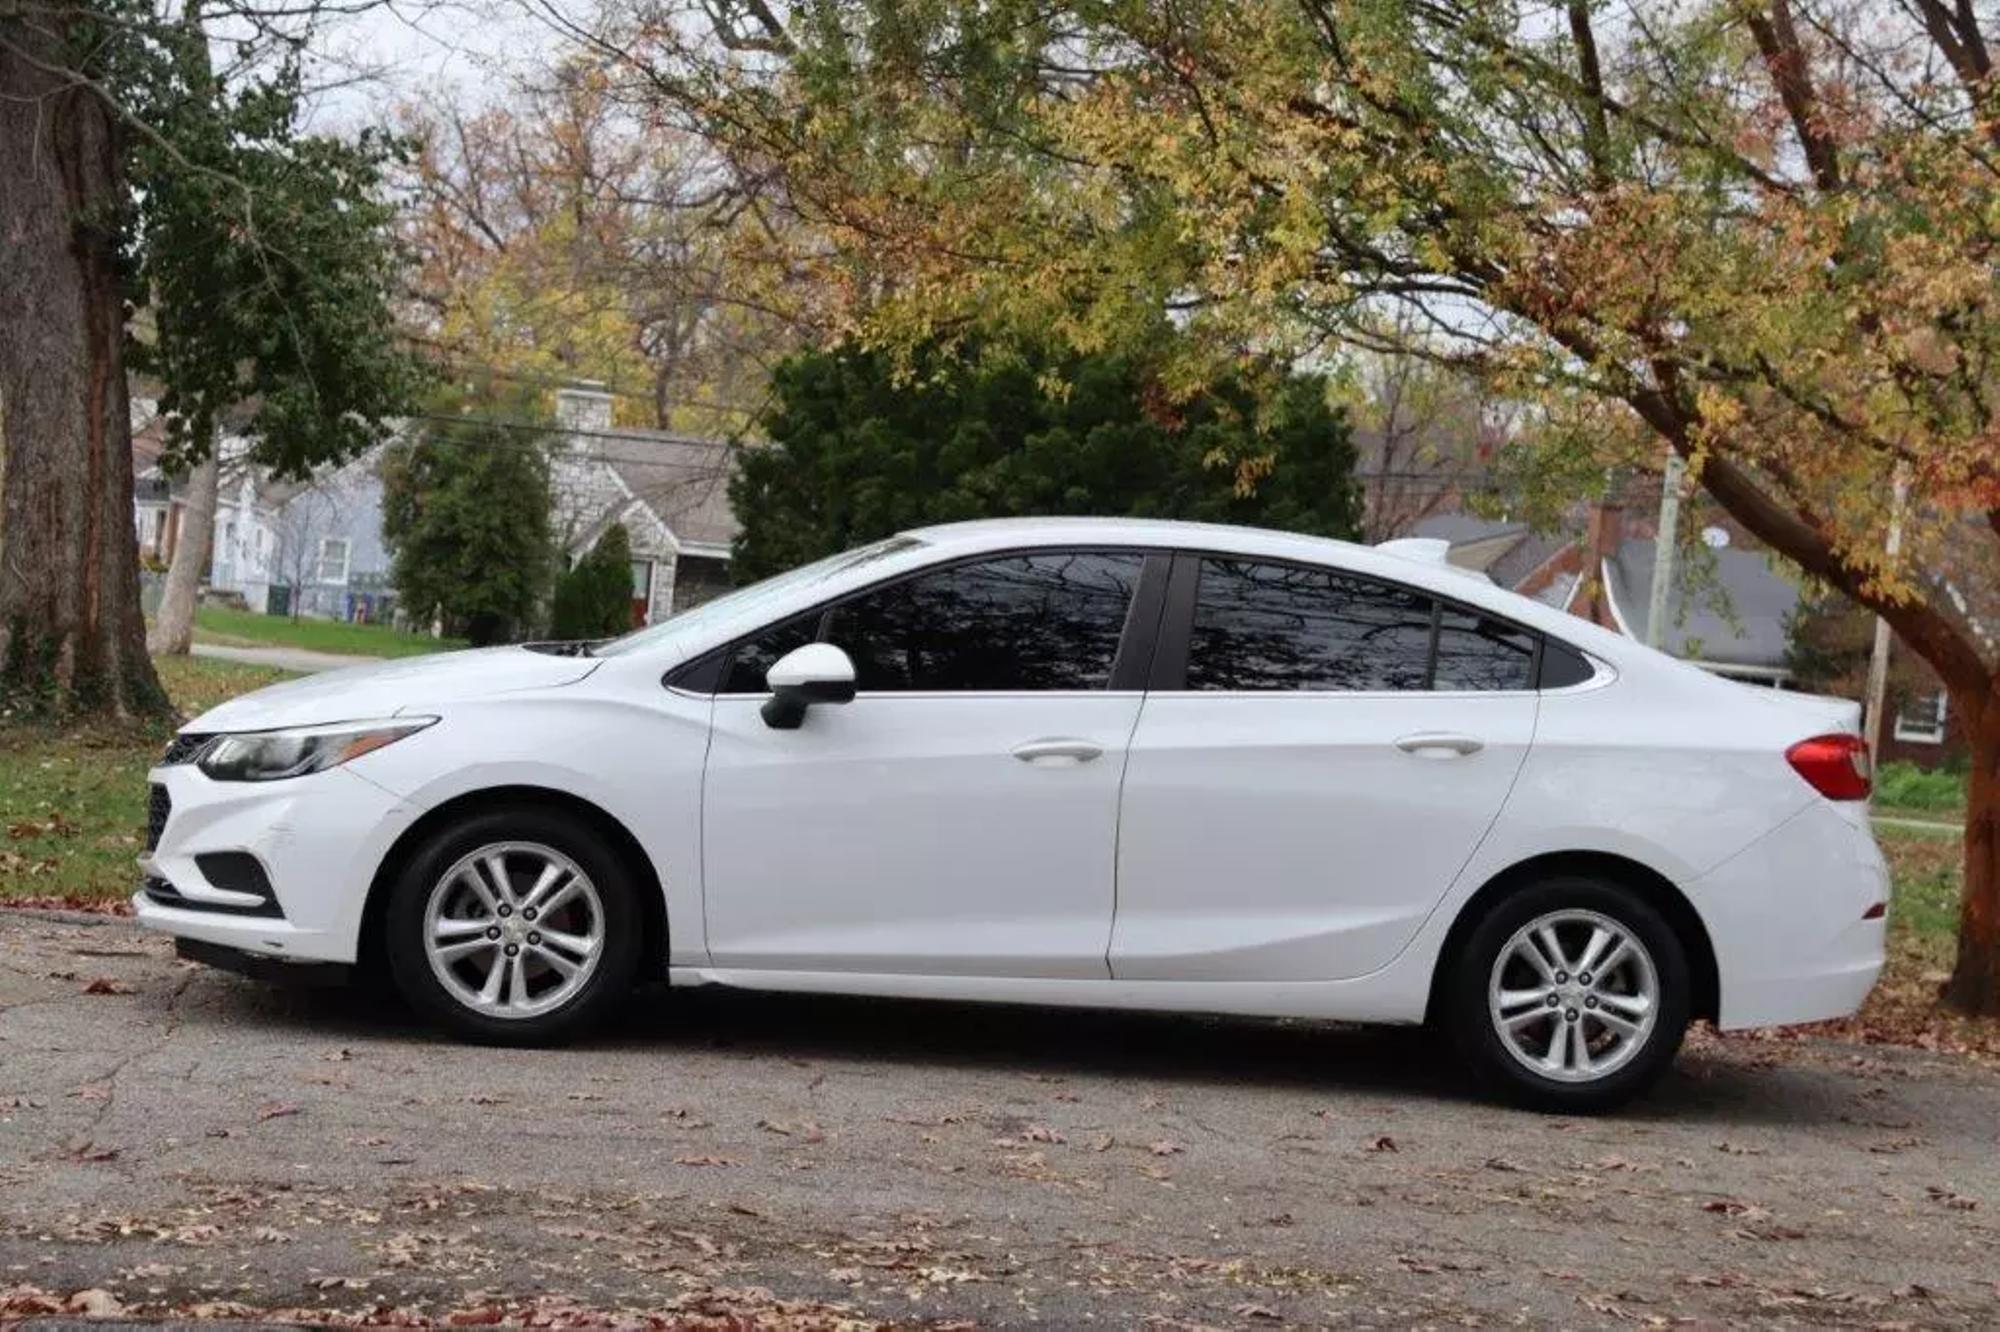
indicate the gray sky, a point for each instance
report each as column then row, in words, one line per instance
column 407, row 49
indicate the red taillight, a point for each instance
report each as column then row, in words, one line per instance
column 1836, row 765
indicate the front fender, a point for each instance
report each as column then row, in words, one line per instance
column 640, row 764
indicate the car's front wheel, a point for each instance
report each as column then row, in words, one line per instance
column 1570, row 995
column 513, row 926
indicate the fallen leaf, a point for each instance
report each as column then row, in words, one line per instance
column 485, row 1316
column 1384, row 1143
column 1767, row 1233
column 94, row 1303
column 805, row 1130
column 106, row 985
column 83, row 1149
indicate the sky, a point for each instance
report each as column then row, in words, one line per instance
column 411, row 49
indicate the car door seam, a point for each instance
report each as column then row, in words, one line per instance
column 701, row 836
column 1118, row 834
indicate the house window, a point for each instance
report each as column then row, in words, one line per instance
column 333, row 552
column 1921, row 719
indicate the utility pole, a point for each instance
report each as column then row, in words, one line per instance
column 1665, row 548
column 1873, row 722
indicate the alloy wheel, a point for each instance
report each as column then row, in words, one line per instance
column 1573, row 995
column 513, row 929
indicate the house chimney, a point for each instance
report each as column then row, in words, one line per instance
column 1606, row 532
column 1602, row 537
column 583, row 406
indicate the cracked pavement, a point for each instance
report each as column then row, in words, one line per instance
column 184, row 1139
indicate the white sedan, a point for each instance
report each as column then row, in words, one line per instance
column 1058, row 761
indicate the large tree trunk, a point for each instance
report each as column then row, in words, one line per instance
column 173, row 624
column 1975, row 981
column 71, row 634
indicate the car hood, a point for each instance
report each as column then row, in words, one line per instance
column 383, row 689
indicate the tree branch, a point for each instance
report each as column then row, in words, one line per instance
column 1778, row 43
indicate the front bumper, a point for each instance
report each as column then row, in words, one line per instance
column 1788, row 917
column 315, row 841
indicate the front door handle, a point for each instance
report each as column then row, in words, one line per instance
column 1057, row 753
column 1440, row 744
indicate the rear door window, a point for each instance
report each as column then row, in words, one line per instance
column 1269, row 627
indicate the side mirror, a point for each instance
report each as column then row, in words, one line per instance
column 815, row 673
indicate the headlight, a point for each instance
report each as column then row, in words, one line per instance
column 267, row 756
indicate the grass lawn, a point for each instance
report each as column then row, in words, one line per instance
column 1947, row 818
column 219, row 624
column 73, row 800
column 1906, row 789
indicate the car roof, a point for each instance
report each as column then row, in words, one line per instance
column 984, row 533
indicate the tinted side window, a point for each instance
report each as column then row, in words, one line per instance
column 744, row 673
column 1476, row 651
column 1043, row 621
column 1562, row 666
column 1276, row 626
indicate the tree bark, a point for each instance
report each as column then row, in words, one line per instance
column 1975, row 980
column 173, row 625
column 71, row 633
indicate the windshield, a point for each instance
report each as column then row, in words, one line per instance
column 747, row 601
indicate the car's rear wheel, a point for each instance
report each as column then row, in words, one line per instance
column 1570, row 995
column 514, row 926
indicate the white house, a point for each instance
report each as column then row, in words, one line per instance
column 246, row 508
column 317, row 547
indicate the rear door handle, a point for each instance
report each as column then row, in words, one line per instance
column 1440, row 744
column 1057, row 753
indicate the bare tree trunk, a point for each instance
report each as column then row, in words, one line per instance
column 173, row 625
column 1975, row 981
column 71, row 633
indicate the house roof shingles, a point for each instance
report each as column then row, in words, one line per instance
column 1734, row 614
column 685, row 481
column 1506, row 552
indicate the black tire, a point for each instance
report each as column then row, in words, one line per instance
column 1471, row 1022
column 617, row 961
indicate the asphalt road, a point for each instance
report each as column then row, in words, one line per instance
column 194, row 1142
